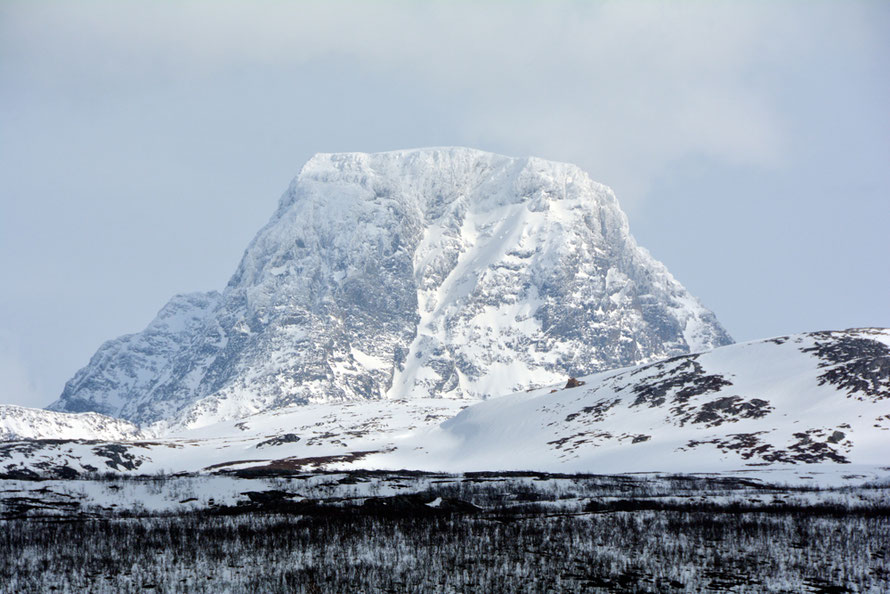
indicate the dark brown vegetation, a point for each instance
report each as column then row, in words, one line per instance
column 485, row 532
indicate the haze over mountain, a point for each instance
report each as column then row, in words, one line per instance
column 445, row 272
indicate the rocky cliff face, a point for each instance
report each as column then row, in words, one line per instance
column 436, row 272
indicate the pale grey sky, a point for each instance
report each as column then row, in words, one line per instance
column 143, row 144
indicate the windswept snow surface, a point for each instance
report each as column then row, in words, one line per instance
column 444, row 272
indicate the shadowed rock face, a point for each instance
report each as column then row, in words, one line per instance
column 437, row 272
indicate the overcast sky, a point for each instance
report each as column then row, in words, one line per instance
column 143, row 144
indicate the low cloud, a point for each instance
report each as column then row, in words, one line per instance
column 624, row 89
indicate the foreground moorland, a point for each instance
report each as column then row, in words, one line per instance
column 407, row 532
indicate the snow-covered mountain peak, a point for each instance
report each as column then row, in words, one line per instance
column 436, row 186
column 19, row 422
column 443, row 272
column 434, row 176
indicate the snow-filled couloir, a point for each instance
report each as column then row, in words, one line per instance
column 445, row 272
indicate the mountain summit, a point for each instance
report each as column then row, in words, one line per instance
column 444, row 272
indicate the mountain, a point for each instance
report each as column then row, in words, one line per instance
column 19, row 422
column 813, row 405
column 445, row 272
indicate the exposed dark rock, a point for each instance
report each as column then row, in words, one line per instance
column 836, row 437
column 727, row 409
column 860, row 366
column 574, row 383
column 596, row 412
column 685, row 381
column 279, row 440
column 119, row 456
column 812, row 446
column 18, row 473
column 270, row 497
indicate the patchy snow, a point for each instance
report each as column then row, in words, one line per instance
column 807, row 405
column 753, row 405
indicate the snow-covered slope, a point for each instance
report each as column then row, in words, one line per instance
column 822, row 397
column 425, row 273
column 19, row 422
column 803, row 404
column 311, row 435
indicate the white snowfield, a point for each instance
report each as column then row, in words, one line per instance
column 768, row 403
column 813, row 405
column 428, row 273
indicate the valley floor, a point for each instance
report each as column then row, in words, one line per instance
column 410, row 532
